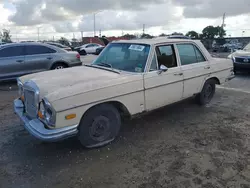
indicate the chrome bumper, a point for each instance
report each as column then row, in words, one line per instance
column 38, row 130
column 230, row 77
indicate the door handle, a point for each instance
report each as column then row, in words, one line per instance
column 207, row 67
column 19, row 61
column 178, row 74
column 49, row 58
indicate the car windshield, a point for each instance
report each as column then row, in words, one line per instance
column 247, row 47
column 124, row 56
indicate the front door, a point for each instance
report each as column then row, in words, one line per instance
column 195, row 68
column 12, row 62
column 38, row 58
column 163, row 88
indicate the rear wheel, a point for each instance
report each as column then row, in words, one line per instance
column 207, row 92
column 59, row 66
column 82, row 52
column 99, row 126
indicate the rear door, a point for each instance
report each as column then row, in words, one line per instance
column 38, row 57
column 12, row 62
column 195, row 68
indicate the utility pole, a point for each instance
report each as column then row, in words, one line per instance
column 38, row 33
column 100, row 33
column 243, row 33
column 82, row 35
column 223, row 23
column 94, row 24
column 143, row 29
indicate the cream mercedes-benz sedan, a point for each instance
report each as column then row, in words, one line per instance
column 128, row 78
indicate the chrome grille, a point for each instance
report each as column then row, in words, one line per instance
column 31, row 99
column 242, row 59
column 30, row 105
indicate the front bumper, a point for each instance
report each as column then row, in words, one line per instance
column 230, row 77
column 242, row 66
column 75, row 64
column 38, row 130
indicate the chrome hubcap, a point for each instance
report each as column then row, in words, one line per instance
column 99, row 130
column 59, row 67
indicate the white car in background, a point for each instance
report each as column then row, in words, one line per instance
column 89, row 48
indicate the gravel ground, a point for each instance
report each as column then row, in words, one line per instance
column 182, row 145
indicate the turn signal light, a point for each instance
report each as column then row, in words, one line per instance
column 40, row 115
column 22, row 98
column 70, row 116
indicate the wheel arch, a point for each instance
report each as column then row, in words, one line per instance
column 216, row 79
column 122, row 109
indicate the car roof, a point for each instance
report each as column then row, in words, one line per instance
column 154, row 41
column 56, row 43
column 31, row 44
column 178, row 37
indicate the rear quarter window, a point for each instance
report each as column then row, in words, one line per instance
column 189, row 54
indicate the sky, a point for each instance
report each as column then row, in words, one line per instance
column 67, row 18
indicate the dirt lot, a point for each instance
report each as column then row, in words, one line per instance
column 182, row 145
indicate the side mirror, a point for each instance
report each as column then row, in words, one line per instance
column 163, row 68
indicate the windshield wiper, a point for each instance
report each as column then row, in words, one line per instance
column 105, row 64
column 102, row 67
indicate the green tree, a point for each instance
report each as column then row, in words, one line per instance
column 211, row 32
column 176, row 33
column 5, row 36
column 221, row 32
column 146, row 36
column 193, row 34
column 129, row 36
column 162, row 35
column 64, row 41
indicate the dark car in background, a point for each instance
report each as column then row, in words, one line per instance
column 67, row 48
column 99, row 50
column 18, row 59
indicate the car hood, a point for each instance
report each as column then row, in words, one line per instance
column 58, row 84
column 239, row 53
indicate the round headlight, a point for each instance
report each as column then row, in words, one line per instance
column 47, row 112
column 42, row 109
column 20, row 87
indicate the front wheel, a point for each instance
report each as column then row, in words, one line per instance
column 99, row 126
column 207, row 92
column 82, row 52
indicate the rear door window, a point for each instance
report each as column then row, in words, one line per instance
column 12, row 51
column 189, row 54
column 37, row 49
